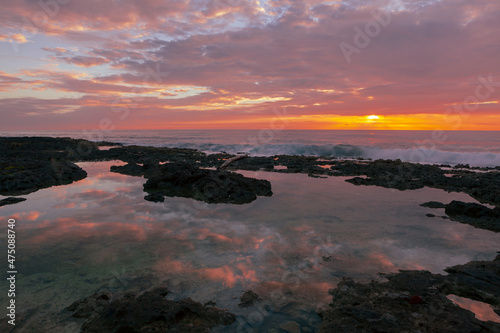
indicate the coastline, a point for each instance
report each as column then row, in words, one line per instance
column 52, row 164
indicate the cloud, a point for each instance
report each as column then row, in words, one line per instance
column 238, row 60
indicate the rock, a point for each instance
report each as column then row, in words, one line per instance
column 87, row 307
column 129, row 169
column 415, row 301
column 108, row 144
column 477, row 215
column 248, row 299
column 211, row 186
column 433, row 204
column 11, row 201
column 155, row 197
column 483, row 186
column 147, row 312
column 23, row 177
column 473, row 210
column 28, row 164
column 478, row 280
column 430, row 215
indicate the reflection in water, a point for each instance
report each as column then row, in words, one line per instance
column 482, row 310
column 100, row 234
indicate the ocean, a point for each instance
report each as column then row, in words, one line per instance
column 476, row 148
column 99, row 234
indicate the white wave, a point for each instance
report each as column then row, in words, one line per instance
column 420, row 155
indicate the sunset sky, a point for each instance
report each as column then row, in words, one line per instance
column 151, row 64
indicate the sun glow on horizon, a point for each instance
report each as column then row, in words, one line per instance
column 373, row 117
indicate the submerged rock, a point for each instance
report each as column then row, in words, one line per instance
column 148, row 312
column 248, row 299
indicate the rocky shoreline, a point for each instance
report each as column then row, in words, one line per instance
column 28, row 164
column 147, row 312
column 411, row 301
column 415, row 301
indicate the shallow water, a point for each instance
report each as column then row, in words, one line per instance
column 100, row 234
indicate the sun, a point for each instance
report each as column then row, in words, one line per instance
column 372, row 117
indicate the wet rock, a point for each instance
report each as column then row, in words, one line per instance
column 148, row 312
column 477, row 215
column 248, row 299
column 483, row 186
column 211, row 186
column 473, row 210
column 108, row 144
column 11, row 201
column 87, row 307
column 23, row 177
column 28, row 164
column 415, row 301
column 129, row 169
column 477, row 280
column 433, row 204
column 155, row 197
column 253, row 163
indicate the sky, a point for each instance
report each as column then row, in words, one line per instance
column 231, row 64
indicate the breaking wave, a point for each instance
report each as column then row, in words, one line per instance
column 420, row 155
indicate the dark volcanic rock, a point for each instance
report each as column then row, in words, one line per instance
column 473, row 210
column 391, row 174
column 248, row 299
column 477, row 215
column 155, row 197
column 415, row 301
column 477, row 280
column 130, row 169
column 22, row 177
column 149, row 312
column 142, row 154
column 433, row 204
column 483, row 186
column 28, row 164
column 11, row 201
column 211, row 186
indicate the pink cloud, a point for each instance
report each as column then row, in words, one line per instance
column 285, row 52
